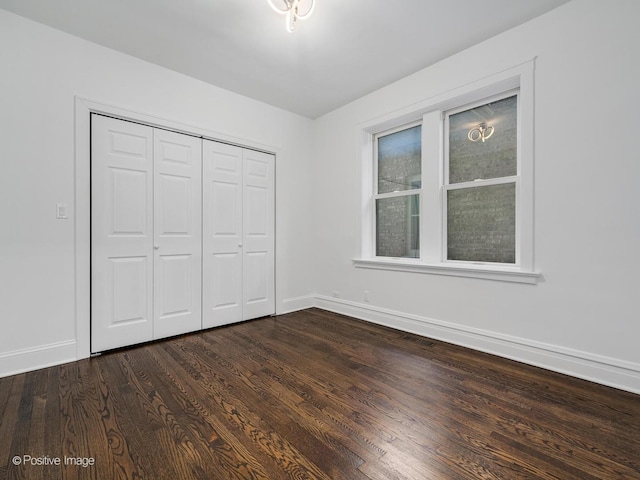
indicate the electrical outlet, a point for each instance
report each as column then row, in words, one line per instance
column 366, row 296
column 61, row 211
column 336, row 294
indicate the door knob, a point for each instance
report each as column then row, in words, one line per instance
column 156, row 247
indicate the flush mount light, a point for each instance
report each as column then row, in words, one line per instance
column 293, row 9
column 481, row 131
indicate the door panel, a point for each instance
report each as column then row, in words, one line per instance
column 257, row 212
column 223, row 208
column 121, row 233
column 257, row 269
column 130, row 143
column 176, row 283
column 127, row 284
column 128, row 196
column 178, row 233
column 226, row 271
column 222, row 239
column 175, row 210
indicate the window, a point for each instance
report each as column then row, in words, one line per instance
column 398, row 170
column 481, row 175
column 448, row 188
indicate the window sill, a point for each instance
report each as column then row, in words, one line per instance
column 499, row 273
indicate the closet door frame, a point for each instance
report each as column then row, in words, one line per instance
column 81, row 212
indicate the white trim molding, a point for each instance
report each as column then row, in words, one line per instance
column 608, row 371
column 487, row 272
column 290, row 305
column 29, row 359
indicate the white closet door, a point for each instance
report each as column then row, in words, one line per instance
column 258, row 234
column 121, row 233
column 222, row 234
column 239, row 200
column 177, row 233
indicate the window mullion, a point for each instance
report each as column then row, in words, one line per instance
column 430, row 209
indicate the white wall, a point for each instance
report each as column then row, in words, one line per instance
column 582, row 317
column 42, row 70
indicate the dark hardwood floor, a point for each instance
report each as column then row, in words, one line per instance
column 312, row 395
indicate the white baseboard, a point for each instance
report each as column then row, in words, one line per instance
column 599, row 369
column 604, row 370
column 290, row 305
column 29, row 359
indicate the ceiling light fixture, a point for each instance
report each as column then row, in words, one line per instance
column 293, row 9
column 482, row 131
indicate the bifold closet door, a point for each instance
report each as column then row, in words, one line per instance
column 177, row 233
column 145, row 233
column 121, row 233
column 258, row 234
column 238, row 240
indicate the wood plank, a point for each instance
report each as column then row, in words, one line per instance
column 278, row 406
column 246, row 420
column 233, row 457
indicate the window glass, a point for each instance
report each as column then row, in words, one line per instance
column 481, row 223
column 399, row 160
column 398, row 226
column 483, row 142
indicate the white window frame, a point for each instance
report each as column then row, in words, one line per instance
column 515, row 179
column 431, row 113
column 399, row 193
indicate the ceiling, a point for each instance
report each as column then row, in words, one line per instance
column 348, row 48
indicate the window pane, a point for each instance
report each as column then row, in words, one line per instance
column 398, row 226
column 483, row 142
column 399, row 160
column 481, row 224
